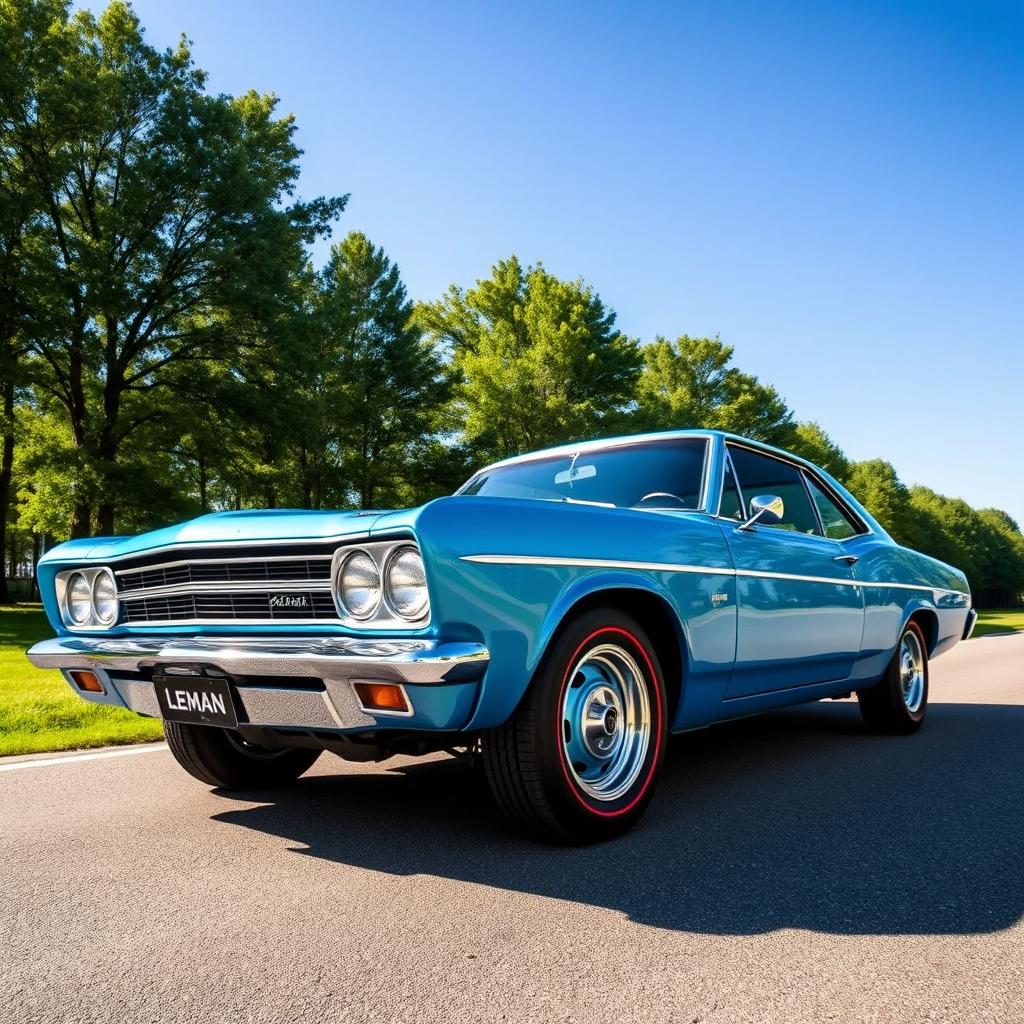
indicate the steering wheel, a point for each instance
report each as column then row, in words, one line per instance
column 663, row 494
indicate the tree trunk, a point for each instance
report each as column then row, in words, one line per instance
column 307, row 484
column 110, row 441
column 6, row 471
column 36, row 555
column 81, row 519
column 202, row 484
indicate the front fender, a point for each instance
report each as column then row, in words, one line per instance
column 515, row 609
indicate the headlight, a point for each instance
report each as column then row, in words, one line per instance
column 359, row 586
column 79, row 599
column 104, row 597
column 405, row 583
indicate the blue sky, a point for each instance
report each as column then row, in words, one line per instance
column 836, row 189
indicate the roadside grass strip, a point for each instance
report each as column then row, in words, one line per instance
column 39, row 712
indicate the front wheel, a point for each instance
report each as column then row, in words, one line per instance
column 899, row 701
column 578, row 759
column 222, row 758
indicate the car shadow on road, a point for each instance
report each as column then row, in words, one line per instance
column 793, row 820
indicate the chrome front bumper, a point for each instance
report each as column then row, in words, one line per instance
column 330, row 664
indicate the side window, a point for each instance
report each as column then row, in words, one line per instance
column 761, row 474
column 732, row 505
column 836, row 522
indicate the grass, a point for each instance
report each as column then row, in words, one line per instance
column 1001, row 620
column 39, row 711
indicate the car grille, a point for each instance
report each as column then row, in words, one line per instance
column 213, row 586
column 225, row 572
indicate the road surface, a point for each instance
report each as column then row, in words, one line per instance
column 792, row 868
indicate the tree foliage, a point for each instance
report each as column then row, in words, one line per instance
column 691, row 382
column 540, row 359
column 811, row 442
column 382, row 385
column 162, row 211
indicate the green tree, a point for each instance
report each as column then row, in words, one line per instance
column 540, row 359
column 876, row 485
column 950, row 530
column 381, row 385
column 811, row 441
column 690, row 383
column 167, row 208
column 1003, row 545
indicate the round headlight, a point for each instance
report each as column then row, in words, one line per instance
column 406, row 583
column 104, row 597
column 359, row 586
column 78, row 599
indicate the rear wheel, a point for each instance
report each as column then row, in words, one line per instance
column 578, row 759
column 222, row 758
column 899, row 701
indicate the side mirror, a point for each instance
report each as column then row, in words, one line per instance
column 766, row 509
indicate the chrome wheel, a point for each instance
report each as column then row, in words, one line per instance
column 606, row 722
column 912, row 671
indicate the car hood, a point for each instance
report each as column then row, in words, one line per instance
column 228, row 527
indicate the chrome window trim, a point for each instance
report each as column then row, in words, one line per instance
column 728, row 463
column 814, row 506
column 834, row 498
column 806, row 467
column 711, row 570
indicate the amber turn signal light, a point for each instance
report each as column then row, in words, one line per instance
column 382, row 697
column 87, row 681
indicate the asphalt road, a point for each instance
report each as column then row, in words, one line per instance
column 791, row 868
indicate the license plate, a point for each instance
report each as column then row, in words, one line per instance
column 197, row 700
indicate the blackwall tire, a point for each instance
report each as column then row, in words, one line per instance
column 221, row 758
column 898, row 703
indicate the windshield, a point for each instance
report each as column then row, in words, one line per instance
column 654, row 474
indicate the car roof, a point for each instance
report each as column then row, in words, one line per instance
column 663, row 435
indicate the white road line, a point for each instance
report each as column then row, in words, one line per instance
column 46, row 762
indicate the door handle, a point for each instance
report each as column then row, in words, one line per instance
column 848, row 559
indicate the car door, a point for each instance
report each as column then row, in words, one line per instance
column 800, row 614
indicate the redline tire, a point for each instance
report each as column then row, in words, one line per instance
column 898, row 702
column 225, row 761
column 578, row 760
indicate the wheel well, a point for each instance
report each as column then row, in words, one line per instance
column 660, row 623
column 929, row 623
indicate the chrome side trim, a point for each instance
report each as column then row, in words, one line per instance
column 599, row 563
column 712, row 570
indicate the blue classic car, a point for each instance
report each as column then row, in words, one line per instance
column 555, row 619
